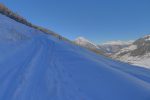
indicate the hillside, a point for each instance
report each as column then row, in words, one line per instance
column 37, row 66
column 138, row 53
column 7, row 12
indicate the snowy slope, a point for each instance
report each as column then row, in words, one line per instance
column 36, row 66
column 138, row 53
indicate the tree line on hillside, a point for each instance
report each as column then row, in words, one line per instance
column 7, row 12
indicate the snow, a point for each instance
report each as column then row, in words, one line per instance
column 147, row 38
column 84, row 42
column 141, row 61
column 119, row 42
column 36, row 66
column 130, row 48
column 126, row 49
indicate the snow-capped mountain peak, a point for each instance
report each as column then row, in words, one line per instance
column 82, row 40
column 85, row 42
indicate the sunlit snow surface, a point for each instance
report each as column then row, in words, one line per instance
column 36, row 66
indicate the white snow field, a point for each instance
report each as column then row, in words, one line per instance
column 36, row 66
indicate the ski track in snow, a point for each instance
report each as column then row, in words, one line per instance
column 36, row 66
column 41, row 50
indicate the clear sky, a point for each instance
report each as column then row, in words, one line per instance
column 97, row 20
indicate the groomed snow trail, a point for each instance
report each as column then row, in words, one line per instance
column 36, row 66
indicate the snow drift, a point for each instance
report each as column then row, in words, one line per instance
column 36, row 66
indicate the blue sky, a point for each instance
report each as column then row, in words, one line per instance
column 97, row 20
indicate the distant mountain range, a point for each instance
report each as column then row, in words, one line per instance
column 112, row 47
column 135, row 52
column 107, row 48
column 138, row 53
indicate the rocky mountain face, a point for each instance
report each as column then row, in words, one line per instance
column 138, row 53
column 143, row 46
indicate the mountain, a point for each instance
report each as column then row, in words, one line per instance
column 86, row 43
column 133, row 52
column 106, row 49
column 81, row 41
column 35, row 65
column 112, row 47
column 138, row 53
